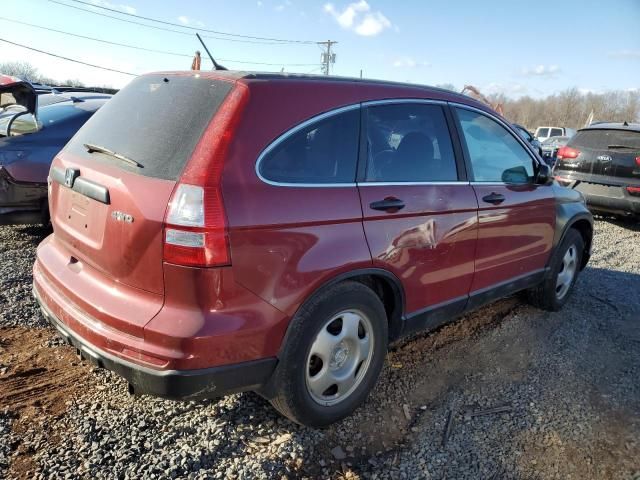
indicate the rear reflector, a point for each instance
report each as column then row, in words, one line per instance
column 634, row 190
column 195, row 230
column 185, row 239
column 567, row 152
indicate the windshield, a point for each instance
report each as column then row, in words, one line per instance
column 603, row 139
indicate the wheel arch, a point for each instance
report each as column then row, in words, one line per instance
column 384, row 284
column 571, row 216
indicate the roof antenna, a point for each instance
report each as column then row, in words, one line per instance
column 216, row 65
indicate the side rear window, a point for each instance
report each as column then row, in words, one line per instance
column 325, row 151
column 542, row 132
column 495, row 154
column 409, row 142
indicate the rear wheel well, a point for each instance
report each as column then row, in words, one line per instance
column 391, row 297
column 586, row 231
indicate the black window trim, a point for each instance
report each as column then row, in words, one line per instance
column 453, row 134
column 292, row 131
column 509, row 128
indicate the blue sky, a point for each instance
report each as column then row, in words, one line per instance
column 517, row 48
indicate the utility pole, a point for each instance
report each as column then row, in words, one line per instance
column 327, row 57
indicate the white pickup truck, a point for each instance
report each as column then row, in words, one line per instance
column 542, row 133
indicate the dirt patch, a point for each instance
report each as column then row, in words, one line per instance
column 38, row 378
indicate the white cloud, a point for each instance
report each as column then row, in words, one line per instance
column 259, row 3
column 359, row 17
column 625, row 54
column 409, row 62
column 541, row 71
column 122, row 7
column 183, row 19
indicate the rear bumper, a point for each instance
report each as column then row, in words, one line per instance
column 609, row 198
column 173, row 384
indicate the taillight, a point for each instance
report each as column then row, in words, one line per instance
column 638, row 161
column 195, row 226
column 567, row 152
column 633, row 190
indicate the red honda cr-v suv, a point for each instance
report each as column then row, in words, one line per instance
column 220, row 232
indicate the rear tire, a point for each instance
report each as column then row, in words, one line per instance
column 557, row 286
column 337, row 340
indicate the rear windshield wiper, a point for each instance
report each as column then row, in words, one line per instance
column 629, row 147
column 97, row 148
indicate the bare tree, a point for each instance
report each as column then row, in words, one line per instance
column 22, row 70
column 571, row 108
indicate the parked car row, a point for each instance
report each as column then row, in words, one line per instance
column 33, row 129
column 276, row 233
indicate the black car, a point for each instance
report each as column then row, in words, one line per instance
column 33, row 129
column 526, row 134
column 603, row 162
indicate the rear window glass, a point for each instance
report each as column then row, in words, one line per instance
column 602, row 139
column 543, row 132
column 156, row 121
column 556, row 132
column 324, row 152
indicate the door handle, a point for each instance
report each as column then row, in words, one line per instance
column 388, row 204
column 494, row 198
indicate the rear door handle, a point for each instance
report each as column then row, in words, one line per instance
column 388, row 204
column 494, row 198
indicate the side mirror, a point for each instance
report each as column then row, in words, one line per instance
column 544, row 177
column 515, row 175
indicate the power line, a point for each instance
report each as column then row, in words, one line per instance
column 94, row 39
column 192, row 28
column 68, row 59
column 248, row 62
column 155, row 27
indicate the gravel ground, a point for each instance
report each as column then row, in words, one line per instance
column 506, row 392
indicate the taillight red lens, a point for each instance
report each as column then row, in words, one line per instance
column 567, row 152
column 633, row 190
column 195, row 230
column 638, row 161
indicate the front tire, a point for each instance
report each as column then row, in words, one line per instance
column 333, row 355
column 558, row 284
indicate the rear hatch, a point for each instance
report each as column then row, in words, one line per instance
column 112, row 182
column 606, row 156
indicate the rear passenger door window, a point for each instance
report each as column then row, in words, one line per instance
column 495, row 154
column 321, row 152
column 409, row 142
